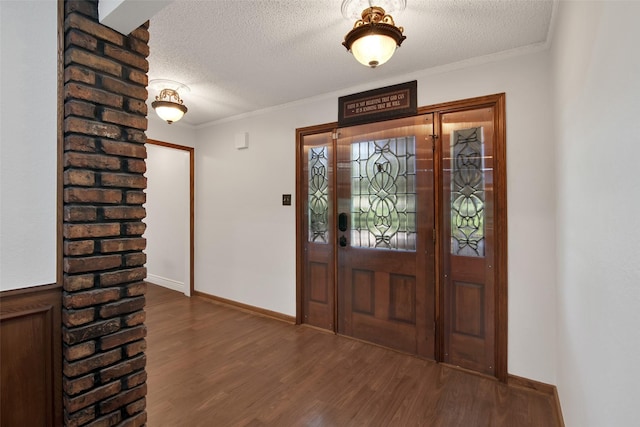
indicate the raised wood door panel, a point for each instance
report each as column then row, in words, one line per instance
column 468, row 243
column 386, row 253
column 378, row 302
column 318, row 230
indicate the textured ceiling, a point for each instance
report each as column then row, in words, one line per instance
column 239, row 56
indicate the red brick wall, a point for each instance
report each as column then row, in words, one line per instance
column 103, row 331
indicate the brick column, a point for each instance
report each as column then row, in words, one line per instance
column 104, row 378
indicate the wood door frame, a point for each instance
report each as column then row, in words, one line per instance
column 497, row 101
column 191, row 152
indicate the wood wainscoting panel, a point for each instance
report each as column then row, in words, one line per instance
column 30, row 350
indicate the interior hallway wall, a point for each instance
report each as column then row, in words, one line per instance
column 28, row 143
column 596, row 69
column 245, row 238
column 175, row 133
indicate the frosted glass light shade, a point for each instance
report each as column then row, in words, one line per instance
column 374, row 38
column 169, row 111
column 373, row 50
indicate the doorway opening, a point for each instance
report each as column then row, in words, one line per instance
column 170, row 216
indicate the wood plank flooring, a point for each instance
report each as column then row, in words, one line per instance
column 212, row 365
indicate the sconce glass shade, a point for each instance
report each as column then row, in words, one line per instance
column 374, row 38
column 167, row 110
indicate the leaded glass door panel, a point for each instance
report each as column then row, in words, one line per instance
column 385, row 208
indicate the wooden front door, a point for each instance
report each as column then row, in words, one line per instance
column 385, row 226
column 402, row 232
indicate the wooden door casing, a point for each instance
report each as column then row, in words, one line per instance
column 472, row 300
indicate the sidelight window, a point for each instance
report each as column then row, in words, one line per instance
column 318, row 195
column 467, row 193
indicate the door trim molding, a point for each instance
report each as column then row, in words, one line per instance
column 500, row 181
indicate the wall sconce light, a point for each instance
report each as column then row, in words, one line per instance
column 374, row 38
column 168, row 105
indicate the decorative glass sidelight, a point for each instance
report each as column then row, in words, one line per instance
column 318, row 195
column 383, row 194
column 467, row 193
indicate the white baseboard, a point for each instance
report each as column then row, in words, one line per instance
column 167, row 283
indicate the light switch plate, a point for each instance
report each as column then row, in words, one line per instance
column 286, row 200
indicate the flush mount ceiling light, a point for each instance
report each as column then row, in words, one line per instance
column 166, row 109
column 168, row 105
column 375, row 37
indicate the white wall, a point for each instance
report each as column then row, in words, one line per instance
column 596, row 71
column 176, row 133
column 245, row 238
column 28, row 143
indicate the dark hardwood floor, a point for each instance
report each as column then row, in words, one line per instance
column 212, row 365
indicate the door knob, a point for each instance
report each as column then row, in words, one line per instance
column 342, row 241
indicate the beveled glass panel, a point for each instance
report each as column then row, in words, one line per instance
column 383, row 194
column 467, row 193
column 318, row 192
